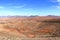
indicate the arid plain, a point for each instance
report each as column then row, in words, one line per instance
column 30, row 28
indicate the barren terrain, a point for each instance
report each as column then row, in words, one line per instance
column 30, row 28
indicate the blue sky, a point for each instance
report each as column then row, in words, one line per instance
column 29, row 7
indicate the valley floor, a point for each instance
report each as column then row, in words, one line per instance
column 4, row 36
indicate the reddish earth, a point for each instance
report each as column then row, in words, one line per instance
column 30, row 26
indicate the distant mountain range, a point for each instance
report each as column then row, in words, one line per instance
column 27, row 16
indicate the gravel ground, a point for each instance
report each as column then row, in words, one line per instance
column 15, row 37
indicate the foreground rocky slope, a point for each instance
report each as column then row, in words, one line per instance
column 4, row 36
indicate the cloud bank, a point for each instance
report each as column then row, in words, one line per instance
column 58, row 3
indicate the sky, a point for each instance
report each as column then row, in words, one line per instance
column 29, row 7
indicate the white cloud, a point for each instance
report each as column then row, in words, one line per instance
column 58, row 0
column 55, row 0
column 58, row 4
column 27, row 9
column 58, row 7
column 1, row 7
column 19, row 6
